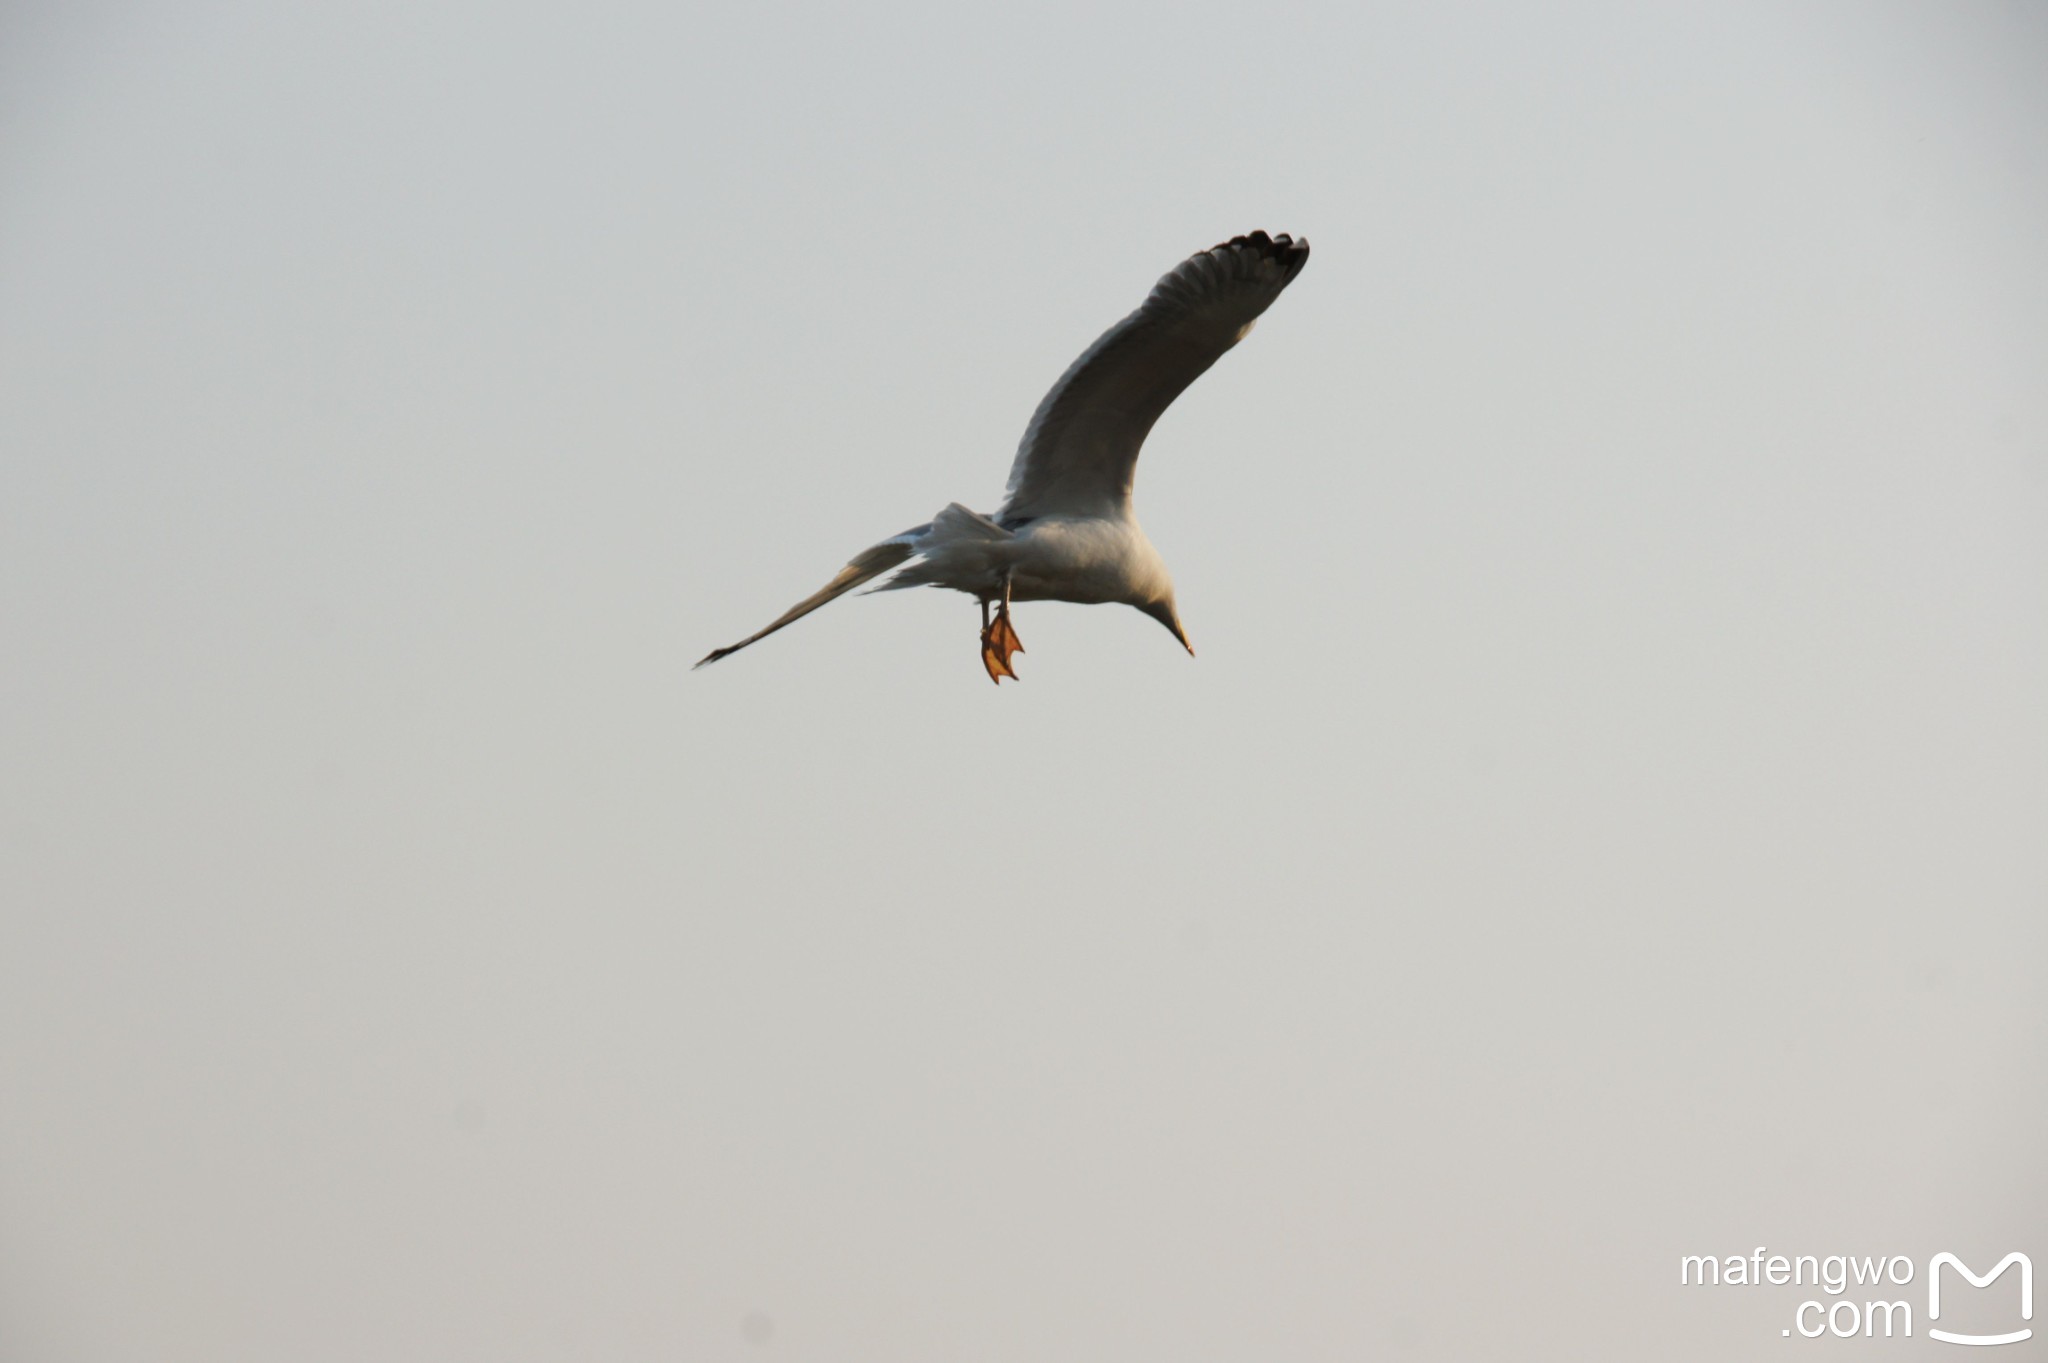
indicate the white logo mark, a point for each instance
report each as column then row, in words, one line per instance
column 2026, row 1296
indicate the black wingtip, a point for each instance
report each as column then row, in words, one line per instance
column 1291, row 253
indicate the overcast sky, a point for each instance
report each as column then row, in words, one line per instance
column 1604, row 822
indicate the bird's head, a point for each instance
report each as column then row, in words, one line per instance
column 1162, row 610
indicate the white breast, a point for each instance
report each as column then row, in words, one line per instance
column 1089, row 560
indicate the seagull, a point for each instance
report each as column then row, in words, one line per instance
column 1066, row 531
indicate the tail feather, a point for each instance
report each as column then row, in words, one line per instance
column 866, row 566
column 957, row 548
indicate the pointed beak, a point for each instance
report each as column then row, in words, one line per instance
column 1166, row 615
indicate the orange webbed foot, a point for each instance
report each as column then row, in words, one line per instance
column 999, row 643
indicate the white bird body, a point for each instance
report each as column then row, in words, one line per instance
column 1100, row 560
column 1092, row 560
column 1066, row 531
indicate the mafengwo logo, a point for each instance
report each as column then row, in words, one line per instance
column 1880, row 1310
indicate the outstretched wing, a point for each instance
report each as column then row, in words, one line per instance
column 1080, row 452
column 868, row 564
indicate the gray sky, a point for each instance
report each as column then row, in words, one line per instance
column 1604, row 822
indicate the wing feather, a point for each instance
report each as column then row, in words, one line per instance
column 1080, row 452
column 868, row 564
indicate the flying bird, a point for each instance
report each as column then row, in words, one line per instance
column 1065, row 531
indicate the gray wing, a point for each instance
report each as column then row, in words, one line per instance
column 868, row 564
column 1080, row 452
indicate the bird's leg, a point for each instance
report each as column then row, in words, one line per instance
column 999, row 642
column 991, row 657
column 1005, row 633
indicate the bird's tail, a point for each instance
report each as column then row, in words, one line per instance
column 867, row 565
column 959, row 549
